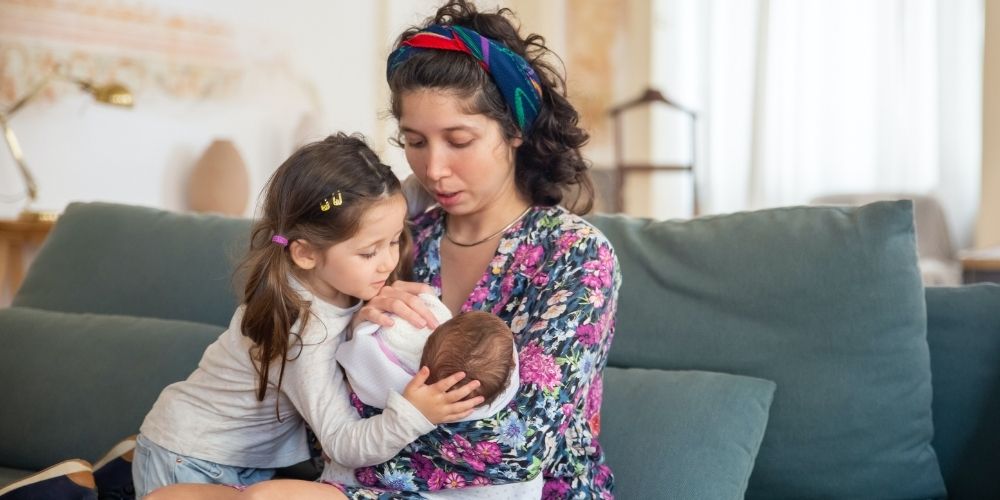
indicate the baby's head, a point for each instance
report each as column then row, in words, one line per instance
column 477, row 343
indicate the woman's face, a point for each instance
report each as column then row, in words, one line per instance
column 462, row 159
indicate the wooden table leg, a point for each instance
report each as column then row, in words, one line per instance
column 19, row 242
column 15, row 264
column 6, row 287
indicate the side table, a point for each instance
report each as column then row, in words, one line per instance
column 981, row 265
column 18, row 238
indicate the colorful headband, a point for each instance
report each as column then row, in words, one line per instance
column 517, row 81
column 280, row 240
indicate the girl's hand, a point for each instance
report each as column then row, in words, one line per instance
column 436, row 402
column 400, row 298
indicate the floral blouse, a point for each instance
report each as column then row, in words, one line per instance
column 555, row 281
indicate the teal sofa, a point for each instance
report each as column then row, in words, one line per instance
column 785, row 353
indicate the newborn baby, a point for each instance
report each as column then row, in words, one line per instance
column 378, row 359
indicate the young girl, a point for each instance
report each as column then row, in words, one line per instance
column 329, row 238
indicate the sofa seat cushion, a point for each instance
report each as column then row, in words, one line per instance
column 76, row 384
column 8, row 476
column 964, row 335
column 825, row 301
column 694, row 434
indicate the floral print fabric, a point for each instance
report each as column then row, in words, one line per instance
column 554, row 279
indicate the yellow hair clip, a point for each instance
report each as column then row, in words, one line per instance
column 336, row 200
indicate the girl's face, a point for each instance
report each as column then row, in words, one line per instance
column 463, row 160
column 357, row 267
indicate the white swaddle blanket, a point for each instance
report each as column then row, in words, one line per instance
column 379, row 359
column 405, row 342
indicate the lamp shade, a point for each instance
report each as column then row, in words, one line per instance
column 219, row 182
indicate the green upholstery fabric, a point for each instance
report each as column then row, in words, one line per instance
column 826, row 302
column 117, row 259
column 8, row 476
column 964, row 335
column 694, row 436
column 76, row 384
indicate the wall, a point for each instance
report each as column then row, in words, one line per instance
column 604, row 47
column 395, row 15
column 278, row 74
column 988, row 226
column 264, row 74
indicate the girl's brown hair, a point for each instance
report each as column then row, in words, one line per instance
column 548, row 164
column 292, row 208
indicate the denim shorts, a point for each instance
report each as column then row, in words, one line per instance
column 154, row 466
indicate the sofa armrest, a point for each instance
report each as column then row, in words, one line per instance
column 963, row 331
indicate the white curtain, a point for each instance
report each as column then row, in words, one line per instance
column 800, row 98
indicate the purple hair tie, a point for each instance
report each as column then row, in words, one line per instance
column 279, row 239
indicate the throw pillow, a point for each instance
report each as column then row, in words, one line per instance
column 695, row 435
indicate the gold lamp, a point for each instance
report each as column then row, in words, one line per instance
column 113, row 94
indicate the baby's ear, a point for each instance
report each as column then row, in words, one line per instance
column 303, row 254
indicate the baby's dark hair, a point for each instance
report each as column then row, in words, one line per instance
column 293, row 207
column 548, row 163
column 477, row 343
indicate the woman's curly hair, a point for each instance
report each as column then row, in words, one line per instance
column 548, row 164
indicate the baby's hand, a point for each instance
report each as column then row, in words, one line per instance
column 436, row 402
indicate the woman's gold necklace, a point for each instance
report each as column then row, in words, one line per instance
column 490, row 237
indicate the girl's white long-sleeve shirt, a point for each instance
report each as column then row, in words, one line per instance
column 214, row 415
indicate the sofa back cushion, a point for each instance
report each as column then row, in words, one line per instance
column 826, row 302
column 964, row 334
column 76, row 384
column 117, row 259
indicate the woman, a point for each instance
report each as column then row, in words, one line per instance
column 489, row 133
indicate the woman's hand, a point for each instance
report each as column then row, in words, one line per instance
column 400, row 298
column 438, row 403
